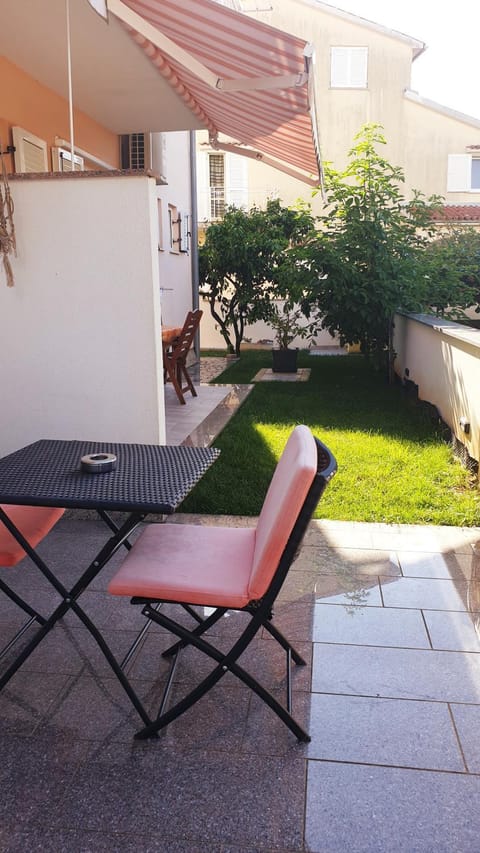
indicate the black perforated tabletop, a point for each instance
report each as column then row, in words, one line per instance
column 147, row 477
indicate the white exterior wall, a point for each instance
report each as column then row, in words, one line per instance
column 80, row 330
column 175, row 267
column 443, row 359
column 212, row 339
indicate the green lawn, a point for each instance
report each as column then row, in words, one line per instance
column 393, row 462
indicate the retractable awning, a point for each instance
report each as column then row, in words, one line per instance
column 240, row 77
column 161, row 65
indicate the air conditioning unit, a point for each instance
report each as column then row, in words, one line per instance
column 144, row 151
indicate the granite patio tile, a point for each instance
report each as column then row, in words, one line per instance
column 365, row 809
column 45, row 840
column 383, row 731
column 341, row 560
column 425, row 593
column 95, row 708
column 396, row 673
column 26, row 699
column 267, row 734
column 467, row 721
column 421, row 564
column 201, row 795
column 34, row 775
column 360, row 590
column 369, row 626
column 453, row 631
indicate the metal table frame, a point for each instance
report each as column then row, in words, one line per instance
column 147, row 478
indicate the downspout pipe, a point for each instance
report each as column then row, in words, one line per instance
column 194, row 233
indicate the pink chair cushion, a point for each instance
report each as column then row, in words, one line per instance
column 288, row 489
column 222, row 566
column 192, row 563
column 33, row 522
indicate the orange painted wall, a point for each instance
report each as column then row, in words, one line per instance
column 28, row 104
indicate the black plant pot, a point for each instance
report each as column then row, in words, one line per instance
column 284, row 360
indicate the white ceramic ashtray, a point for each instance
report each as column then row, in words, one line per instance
column 98, row 463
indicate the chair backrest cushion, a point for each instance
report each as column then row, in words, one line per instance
column 288, row 489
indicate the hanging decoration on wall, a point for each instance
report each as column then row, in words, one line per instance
column 7, row 228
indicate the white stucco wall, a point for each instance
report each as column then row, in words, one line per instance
column 443, row 359
column 210, row 337
column 175, row 266
column 80, row 330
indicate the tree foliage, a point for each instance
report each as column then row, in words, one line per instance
column 246, row 262
column 374, row 241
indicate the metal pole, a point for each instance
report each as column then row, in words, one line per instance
column 70, row 88
column 194, row 233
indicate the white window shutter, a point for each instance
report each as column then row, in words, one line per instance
column 349, row 67
column 459, row 173
column 338, row 67
column 236, row 180
column 30, row 151
column 359, row 67
column 203, row 188
column 62, row 161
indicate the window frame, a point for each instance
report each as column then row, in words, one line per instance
column 348, row 52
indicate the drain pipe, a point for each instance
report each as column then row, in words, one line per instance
column 194, row 233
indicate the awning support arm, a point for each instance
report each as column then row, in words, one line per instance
column 263, row 158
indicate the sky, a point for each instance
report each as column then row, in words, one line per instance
column 447, row 72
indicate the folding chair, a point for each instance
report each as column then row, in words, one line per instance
column 175, row 356
column 34, row 522
column 239, row 569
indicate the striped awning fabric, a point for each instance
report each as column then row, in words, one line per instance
column 240, row 77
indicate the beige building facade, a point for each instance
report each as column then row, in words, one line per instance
column 362, row 74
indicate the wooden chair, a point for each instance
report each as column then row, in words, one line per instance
column 229, row 568
column 34, row 522
column 175, row 356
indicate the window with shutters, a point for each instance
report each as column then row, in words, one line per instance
column 349, row 67
column 463, row 174
column 30, row 151
column 216, row 183
column 62, row 161
column 174, row 227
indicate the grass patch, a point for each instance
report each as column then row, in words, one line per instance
column 393, row 462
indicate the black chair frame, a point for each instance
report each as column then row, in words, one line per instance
column 261, row 613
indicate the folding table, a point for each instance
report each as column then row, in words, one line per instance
column 146, row 479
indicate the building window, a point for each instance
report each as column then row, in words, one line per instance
column 216, row 182
column 174, row 227
column 463, row 173
column 62, row 161
column 475, row 173
column 349, row 67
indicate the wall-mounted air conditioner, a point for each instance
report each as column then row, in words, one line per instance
column 144, row 151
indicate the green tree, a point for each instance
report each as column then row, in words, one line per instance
column 245, row 262
column 452, row 279
column 371, row 258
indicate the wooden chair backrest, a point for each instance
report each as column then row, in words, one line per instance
column 185, row 339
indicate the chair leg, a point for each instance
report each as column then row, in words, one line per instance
column 225, row 663
column 278, row 636
column 184, row 372
column 172, row 377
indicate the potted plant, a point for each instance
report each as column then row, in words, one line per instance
column 286, row 321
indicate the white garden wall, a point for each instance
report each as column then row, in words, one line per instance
column 80, row 330
column 210, row 337
column 443, row 359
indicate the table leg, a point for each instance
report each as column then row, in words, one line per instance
column 69, row 602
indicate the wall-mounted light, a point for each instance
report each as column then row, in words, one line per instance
column 465, row 425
